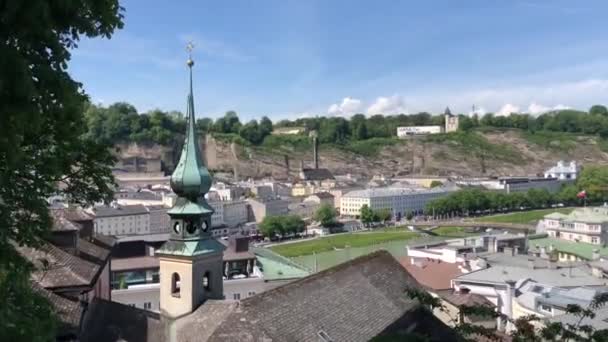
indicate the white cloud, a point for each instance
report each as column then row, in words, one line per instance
column 388, row 105
column 507, row 109
column 348, row 107
column 537, row 109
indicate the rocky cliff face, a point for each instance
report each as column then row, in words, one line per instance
column 507, row 153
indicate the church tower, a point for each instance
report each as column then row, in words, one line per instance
column 451, row 121
column 191, row 260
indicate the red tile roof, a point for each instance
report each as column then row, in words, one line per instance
column 432, row 274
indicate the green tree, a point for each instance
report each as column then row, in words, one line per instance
column 367, row 215
column 436, row 183
column 598, row 110
column 594, row 180
column 271, row 226
column 265, row 126
column 43, row 148
column 293, row 224
column 251, row 132
column 409, row 216
column 326, row 215
column 383, row 215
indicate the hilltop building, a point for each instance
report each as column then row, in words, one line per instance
column 450, row 125
column 563, row 171
column 451, row 121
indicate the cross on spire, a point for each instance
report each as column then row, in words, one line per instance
column 189, row 48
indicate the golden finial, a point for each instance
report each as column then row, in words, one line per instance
column 190, row 47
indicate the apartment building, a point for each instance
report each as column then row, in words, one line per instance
column 581, row 225
column 399, row 201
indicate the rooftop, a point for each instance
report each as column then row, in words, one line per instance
column 354, row 301
column 388, row 192
column 124, row 210
column 511, row 268
column 588, row 214
column 432, row 274
column 277, row 267
column 317, row 174
column 581, row 249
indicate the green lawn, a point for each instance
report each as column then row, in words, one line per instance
column 340, row 241
column 453, row 232
column 523, row 217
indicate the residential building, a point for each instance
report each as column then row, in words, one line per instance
column 262, row 191
column 261, row 208
column 399, row 201
column 303, row 189
column 72, row 268
column 159, row 219
column 523, row 184
column 321, row 198
column 139, row 164
column 116, row 220
column 234, row 212
column 563, row 171
column 501, row 282
column 305, row 210
column 588, row 225
column 534, row 298
column 143, row 197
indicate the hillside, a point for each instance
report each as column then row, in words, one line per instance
column 490, row 152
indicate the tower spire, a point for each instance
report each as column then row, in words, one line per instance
column 191, row 260
column 190, row 178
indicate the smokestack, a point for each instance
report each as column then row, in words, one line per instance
column 315, row 151
column 286, row 165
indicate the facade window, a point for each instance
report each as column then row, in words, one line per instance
column 251, row 293
column 147, row 305
column 175, row 285
column 237, row 296
column 207, row 281
column 545, row 308
column 595, row 240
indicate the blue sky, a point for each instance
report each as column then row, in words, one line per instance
column 289, row 59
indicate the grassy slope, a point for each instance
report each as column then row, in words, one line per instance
column 523, row 217
column 452, row 232
column 475, row 144
column 341, row 241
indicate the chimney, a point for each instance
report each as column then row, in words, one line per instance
column 286, row 166
column 239, row 243
column 595, row 255
column 507, row 308
column 315, row 151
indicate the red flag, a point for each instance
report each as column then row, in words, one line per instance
column 582, row 194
